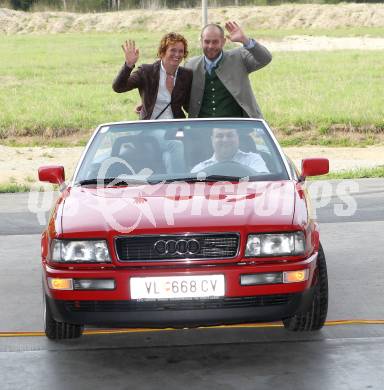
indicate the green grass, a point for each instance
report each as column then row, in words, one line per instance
column 359, row 173
column 334, row 139
column 51, row 142
column 58, row 85
column 373, row 32
column 322, row 89
column 13, row 188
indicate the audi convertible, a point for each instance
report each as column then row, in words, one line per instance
column 183, row 223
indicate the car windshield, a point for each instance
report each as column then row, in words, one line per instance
column 176, row 150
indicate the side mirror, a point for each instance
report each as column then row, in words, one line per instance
column 314, row 167
column 52, row 174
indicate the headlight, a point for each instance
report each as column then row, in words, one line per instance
column 80, row 251
column 282, row 244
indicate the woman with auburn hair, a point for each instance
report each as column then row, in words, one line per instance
column 164, row 86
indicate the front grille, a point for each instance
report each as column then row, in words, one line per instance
column 174, row 305
column 173, row 247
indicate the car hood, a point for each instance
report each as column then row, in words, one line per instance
column 178, row 207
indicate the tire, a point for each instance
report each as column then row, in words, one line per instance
column 315, row 317
column 55, row 330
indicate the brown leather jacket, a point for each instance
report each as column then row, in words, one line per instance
column 146, row 79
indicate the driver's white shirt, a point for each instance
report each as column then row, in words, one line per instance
column 251, row 160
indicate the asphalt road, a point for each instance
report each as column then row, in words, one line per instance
column 338, row 357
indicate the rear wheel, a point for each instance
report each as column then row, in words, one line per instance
column 314, row 318
column 56, row 330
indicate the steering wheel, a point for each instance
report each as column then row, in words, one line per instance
column 229, row 168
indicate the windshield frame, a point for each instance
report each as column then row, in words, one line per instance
column 91, row 141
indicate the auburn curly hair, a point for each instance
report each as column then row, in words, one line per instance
column 170, row 39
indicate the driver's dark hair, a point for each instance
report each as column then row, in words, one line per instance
column 213, row 25
column 223, row 128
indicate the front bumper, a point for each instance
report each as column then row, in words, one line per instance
column 241, row 303
column 185, row 313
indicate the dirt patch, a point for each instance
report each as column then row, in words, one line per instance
column 20, row 165
column 340, row 159
column 323, row 43
column 287, row 16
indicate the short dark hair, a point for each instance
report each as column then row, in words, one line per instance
column 215, row 25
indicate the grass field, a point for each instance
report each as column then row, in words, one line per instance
column 57, row 85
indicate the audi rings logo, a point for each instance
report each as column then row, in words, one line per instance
column 177, row 247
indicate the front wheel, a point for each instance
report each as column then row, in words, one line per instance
column 314, row 318
column 55, row 330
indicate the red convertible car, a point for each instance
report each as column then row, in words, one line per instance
column 183, row 223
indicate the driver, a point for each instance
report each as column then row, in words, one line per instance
column 225, row 143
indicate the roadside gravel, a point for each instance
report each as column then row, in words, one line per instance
column 20, row 164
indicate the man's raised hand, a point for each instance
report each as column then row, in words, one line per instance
column 235, row 33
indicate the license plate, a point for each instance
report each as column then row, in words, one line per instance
column 171, row 287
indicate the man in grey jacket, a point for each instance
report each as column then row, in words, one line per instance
column 221, row 86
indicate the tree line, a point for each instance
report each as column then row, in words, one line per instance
column 116, row 5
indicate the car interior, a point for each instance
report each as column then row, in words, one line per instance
column 131, row 153
column 140, row 152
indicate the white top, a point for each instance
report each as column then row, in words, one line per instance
column 251, row 160
column 163, row 96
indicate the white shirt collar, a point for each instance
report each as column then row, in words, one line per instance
column 162, row 69
column 210, row 63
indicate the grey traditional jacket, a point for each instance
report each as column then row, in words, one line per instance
column 233, row 72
